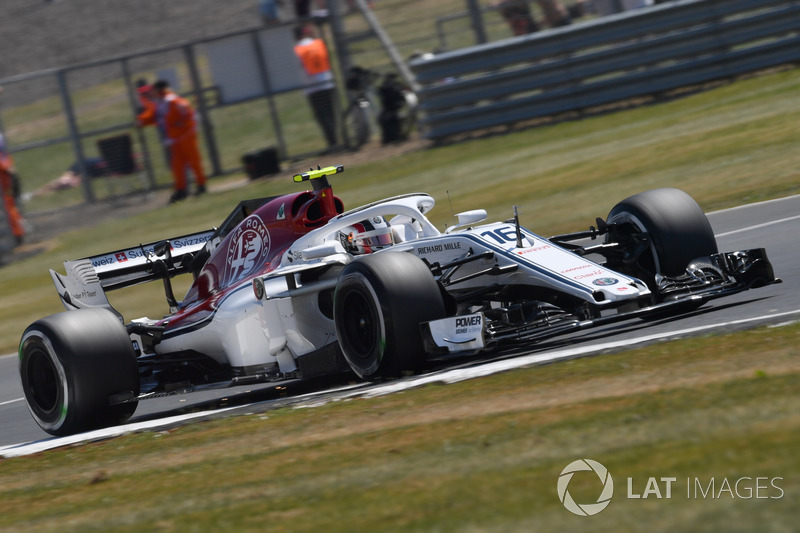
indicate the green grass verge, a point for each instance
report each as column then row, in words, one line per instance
column 482, row 455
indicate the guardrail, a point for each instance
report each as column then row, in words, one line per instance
column 600, row 62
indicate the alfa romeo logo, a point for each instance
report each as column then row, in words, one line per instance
column 248, row 249
column 605, row 282
column 585, row 509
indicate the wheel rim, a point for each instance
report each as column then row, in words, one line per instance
column 42, row 379
column 638, row 225
column 360, row 324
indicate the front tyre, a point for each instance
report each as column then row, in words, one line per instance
column 75, row 367
column 677, row 229
column 379, row 304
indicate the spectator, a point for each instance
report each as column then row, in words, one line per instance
column 577, row 10
column 270, row 11
column 314, row 59
column 555, row 14
column 147, row 101
column 517, row 14
column 176, row 117
column 147, row 114
column 95, row 167
column 10, row 190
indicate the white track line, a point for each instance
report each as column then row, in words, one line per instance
column 756, row 204
column 18, row 450
column 757, row 226
column 11, row 401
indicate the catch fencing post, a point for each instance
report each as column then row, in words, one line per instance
column 75, row 136
column 126, row 73
column 205, row 119
column 265, row 79
column 476, row 19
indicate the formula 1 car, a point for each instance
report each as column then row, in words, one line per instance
column 293, row 286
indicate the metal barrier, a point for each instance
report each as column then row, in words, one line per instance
column 612, row 59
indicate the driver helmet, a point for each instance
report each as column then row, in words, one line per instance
column 367, row 236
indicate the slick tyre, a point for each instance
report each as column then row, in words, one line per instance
column 679, row 230
column 75, row 368
column 379, row 303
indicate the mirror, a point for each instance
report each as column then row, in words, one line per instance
column 467, row 218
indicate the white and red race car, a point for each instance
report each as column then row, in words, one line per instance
column 294, row 286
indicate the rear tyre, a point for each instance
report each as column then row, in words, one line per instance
column 75, row 368
column 678, row 229
column 379, row 304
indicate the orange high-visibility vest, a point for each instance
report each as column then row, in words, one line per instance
column 176, row 116
column 314, row 56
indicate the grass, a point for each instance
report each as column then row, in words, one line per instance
column 482, row 455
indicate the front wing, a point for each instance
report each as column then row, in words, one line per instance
column 707, row 278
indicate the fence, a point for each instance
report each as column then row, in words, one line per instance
column 247, row 87
column 244, row 85
column 607, row 60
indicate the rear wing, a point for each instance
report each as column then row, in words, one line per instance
column 87, row 279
